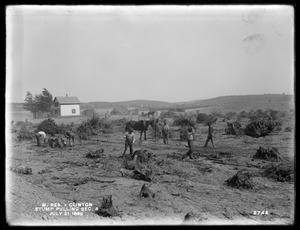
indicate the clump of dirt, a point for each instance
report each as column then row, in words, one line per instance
column 21, row 169
column 259, row 128
column 96, row 154
column 267, row 154
column 283, row 171
column 233, row 128
column 49, row 126
column 240, row 180
column 107, row 209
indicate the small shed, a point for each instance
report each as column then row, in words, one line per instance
column 66, row 106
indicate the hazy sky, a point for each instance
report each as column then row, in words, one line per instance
column 165, row 53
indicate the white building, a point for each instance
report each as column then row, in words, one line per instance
column 66, row 106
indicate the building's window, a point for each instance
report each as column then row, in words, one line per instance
column 73, row 110
column 56, row 104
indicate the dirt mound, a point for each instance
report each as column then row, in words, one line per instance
column 259, row 128
column 267, row 154
column 49, row 126
column 240, row 180
column 283, row 171
column 233, row 128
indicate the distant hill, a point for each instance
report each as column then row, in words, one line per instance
column 245, row 102
column 133, row 103
column 235, row 103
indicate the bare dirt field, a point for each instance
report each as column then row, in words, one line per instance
column 63, row 178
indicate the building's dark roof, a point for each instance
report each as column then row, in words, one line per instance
column 67, row 100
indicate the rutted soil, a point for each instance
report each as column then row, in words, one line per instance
column 67, row 176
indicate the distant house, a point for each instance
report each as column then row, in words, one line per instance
column 66, row 106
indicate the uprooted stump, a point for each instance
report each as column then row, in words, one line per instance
column 142, row 175
column 96, row 154
column 146, row 192
column 279, row 171
column 233, row 128
column 21, row 169
column 267, row 154
column 140, row 163
column 240, row 180
column 107, row 209
column 142, row 156
column 135, row 174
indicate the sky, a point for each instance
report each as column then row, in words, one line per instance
column 164, row 53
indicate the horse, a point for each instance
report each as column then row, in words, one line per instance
column 141, row 126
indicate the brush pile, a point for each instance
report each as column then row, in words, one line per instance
column 260, row 128
column 240, row 180
column 26, row 133
column 48, row 126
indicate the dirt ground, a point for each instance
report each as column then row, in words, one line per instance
column 180, row 187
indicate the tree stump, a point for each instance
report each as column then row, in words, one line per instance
column 107, row 209
column 146, row 192
column 240, row 180
column 267, row 154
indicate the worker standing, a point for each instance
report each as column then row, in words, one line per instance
column 129, row 141
column 209, row 135
column 165, row 133
column 190, row 142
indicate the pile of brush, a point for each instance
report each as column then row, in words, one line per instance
column 259, row 128
column 233, row 128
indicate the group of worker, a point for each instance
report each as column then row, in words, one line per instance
column 53, row 141
column 130, row 138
